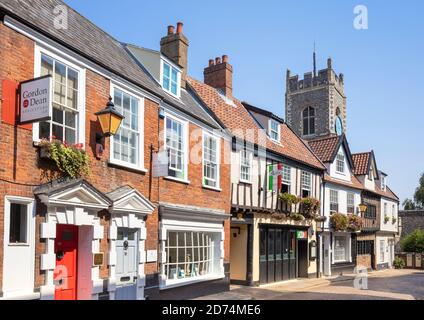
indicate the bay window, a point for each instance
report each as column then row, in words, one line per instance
column 176, row 148
column 66, row 111
column 210, row 161
column 246, row 166
column 127, row 143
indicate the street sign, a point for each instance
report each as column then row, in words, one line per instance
column 36, row 100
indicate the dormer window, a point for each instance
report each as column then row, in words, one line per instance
column 171, row 79
column 383, row 183
column 370, row 174
column 340, row 163
column 274, row 130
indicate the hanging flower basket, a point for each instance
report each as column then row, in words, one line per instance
column 309, row 207
column 70, row 159
column 354, row 223
column 339, row 221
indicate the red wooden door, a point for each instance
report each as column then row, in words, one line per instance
column 66, row 249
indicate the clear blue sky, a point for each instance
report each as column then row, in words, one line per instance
column 383, row 66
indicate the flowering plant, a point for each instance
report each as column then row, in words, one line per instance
column 354, row 222
column 309, row 207
column 339, row 221
column 70, row 159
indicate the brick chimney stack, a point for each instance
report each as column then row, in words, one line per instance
column 219, row 74
column 175, row 47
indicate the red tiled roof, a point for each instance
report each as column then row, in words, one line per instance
column 241, row 124
column 324, row 148
column 355, row 183
column 361, row 161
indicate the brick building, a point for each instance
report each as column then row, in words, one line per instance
column 119, row 232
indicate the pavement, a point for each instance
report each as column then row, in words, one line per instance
column 391, row 284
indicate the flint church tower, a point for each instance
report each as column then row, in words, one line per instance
column 316, row 105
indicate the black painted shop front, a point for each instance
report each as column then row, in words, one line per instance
column 283, row 255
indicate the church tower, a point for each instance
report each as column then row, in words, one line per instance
column 316, row 104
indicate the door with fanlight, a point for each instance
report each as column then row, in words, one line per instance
column 126, row 264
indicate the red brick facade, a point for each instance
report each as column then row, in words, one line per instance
column 20, row 171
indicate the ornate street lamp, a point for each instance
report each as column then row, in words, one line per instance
column 362, row 208
column 110, row 119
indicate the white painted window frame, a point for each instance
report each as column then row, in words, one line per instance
column 140, row 165
column 218, row 161
column 172, row 66
column 348, row 252
column 173, row 225
column 249, row 155
column 306, row 184
column 340, row 159
column 271, row 131
column 185, row 128
column 333, row 193
column 38, row 51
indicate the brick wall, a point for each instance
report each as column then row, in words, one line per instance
column 19, row 158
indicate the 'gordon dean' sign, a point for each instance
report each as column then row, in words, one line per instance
column 36, row 99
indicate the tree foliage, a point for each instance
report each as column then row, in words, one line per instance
column 413, row 242
column 409, row 204
column 419, row 193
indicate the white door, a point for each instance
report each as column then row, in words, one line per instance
column 126, row 264
column 19, row 247
column 327, row 255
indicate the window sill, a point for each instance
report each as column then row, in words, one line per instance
column 169, row 284
column 245, row 181
column 126, row 166
column 212, row 188
column 177, row 180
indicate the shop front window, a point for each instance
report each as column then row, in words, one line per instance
column 191, row 254
column 340, row 249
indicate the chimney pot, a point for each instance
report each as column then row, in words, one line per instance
column 211, row 62
column 217, row 60
column 170, row 30
column 179, row 27
column 224, row 58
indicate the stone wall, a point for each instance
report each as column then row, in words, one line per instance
column 409, row 220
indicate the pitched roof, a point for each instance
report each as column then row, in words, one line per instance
column 81, row 35
column 325, row 148
column 187, row 102
column 388, row 193
column 266, row 113
column 355, row 183
column 361, row 162
column 85, row 38
column 237, row 119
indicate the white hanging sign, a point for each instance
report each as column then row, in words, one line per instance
column 36, row 100
column 160, row 164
